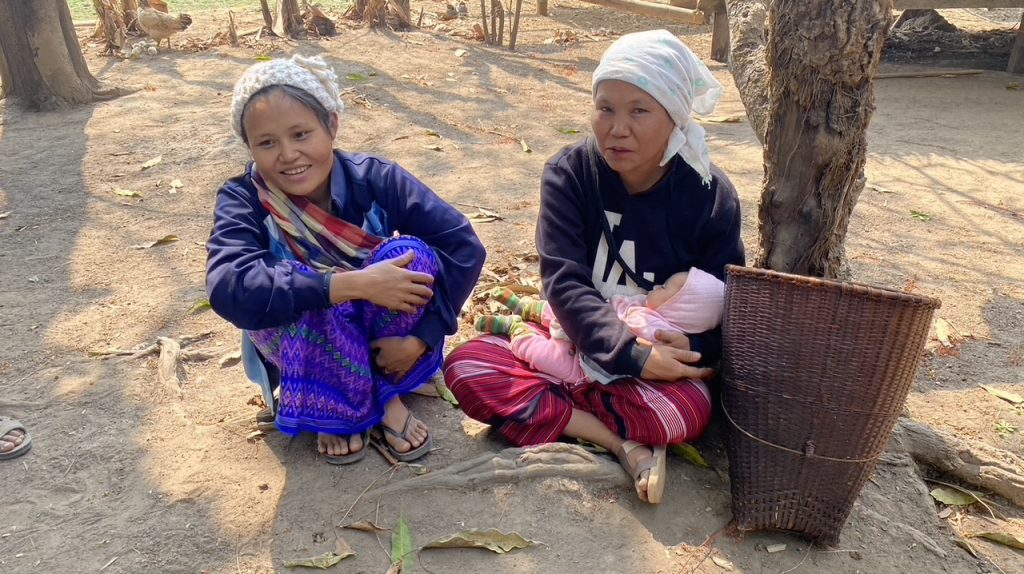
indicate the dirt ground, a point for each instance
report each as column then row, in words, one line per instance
column 126, row 476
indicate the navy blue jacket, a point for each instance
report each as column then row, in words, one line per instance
column 253, row 289
column 680, row 223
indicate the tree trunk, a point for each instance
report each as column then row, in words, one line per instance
column 748, row 22
column 289, row 19
column 821, row 58
column 43, row 66
column 542, row 7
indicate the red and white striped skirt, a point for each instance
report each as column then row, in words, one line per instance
column 528, row 407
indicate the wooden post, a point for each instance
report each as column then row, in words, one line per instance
column 719, row 31
column 1017, row 55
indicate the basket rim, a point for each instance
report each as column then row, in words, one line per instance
column 861, row 289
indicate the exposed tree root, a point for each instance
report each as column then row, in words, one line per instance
column 515, row 464
column 973, row 462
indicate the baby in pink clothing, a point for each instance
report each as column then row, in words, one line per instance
column 689, row 302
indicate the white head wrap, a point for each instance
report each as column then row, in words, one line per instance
column 660, row 64
column 310, row 74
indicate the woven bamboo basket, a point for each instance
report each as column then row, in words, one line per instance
column 815, row 374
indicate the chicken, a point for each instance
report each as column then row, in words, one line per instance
column 161, row 26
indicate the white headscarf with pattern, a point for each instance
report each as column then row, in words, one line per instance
column 310, row 74
column 659, row 63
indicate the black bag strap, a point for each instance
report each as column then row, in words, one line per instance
column 592, row 153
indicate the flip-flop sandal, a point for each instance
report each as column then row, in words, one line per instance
column 654, row 464
column 7, row 425
column 409, row 455
column 352, row 456
column 265, row 419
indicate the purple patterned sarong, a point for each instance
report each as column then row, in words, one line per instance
column 329, row 381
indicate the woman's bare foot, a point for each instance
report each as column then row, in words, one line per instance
column 11, row 441
column 334, row 445
column 395, row 416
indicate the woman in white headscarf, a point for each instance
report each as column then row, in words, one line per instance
column 620, row 212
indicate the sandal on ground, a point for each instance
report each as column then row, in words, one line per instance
column 409, row 455
column 7, row 425
column 266, row 418
column 654, row 464
column 351, row 457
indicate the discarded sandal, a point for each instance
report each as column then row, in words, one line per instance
column 7, row 425
column 654, row 464
column 352, row 456
column 409, row 455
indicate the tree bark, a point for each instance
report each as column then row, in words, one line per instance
column 289, row 19
column 821, row 58
column 43, row 67
column 748, row 22
column 542, row 7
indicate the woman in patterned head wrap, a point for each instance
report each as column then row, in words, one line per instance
column 344, row 271
column 620, row 212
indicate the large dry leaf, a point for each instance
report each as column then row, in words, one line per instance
column 1003, row 538
column 322, row 562
column 526, row 147
column 722, row 563
column 126, row 192
column 491, row 539
column 690, row 453
column 942, row 330
column 952, row 497
column 162, row 241
column 1005, row 395
column 366, row 526
column 401, row 546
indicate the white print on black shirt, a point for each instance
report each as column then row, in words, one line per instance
column 608, row 276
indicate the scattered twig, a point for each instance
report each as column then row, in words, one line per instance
column 473, row 205
column 69, row 467
column 358, row 498
column 383, row 451
column 799, row 564
column 112, row 560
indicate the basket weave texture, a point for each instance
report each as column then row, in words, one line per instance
column 815, row 374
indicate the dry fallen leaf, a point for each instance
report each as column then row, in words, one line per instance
column 162, row 241
column 434, row 147
column 526, row 148
column 952, row 497
column 773, row 548
column 4, row 214
column 690, row 453
column 1003, row 538
column 1005, row 395
column 366, row 526
column 460, row 53
column 255, row 435
column 126, row 192
column 722, row 563
column 491, row 539
column 323, row 561
column 942, row 331
column 152, row 162
column 199, row 306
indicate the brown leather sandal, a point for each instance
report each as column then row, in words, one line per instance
column 654, row 464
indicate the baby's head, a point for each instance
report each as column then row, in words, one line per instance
column 663, row 293
column 692, row 301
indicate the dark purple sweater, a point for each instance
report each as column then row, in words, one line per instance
column 679, row 224
column 254, row 289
